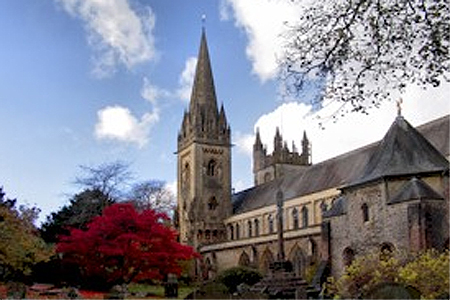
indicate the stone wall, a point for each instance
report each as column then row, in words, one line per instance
column 388, row 225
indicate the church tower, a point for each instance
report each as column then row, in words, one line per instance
column 267, row 167
column 204, row 161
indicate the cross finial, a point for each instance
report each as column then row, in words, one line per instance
column 399, row 106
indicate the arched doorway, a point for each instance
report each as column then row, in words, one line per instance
column 266, row 261
column 298, row 260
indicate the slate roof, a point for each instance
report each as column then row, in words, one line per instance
column 402, row 151
column 415, row 189
column 350, row 167
column 339, row 208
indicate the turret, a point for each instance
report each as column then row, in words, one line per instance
column 268, row 167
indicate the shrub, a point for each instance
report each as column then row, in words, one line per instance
column 235, row 276
column 426, row 272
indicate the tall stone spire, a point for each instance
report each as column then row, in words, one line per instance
column 204, row 161
column 203, row 90
column 203, row 121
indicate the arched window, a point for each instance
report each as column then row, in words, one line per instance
column 256, row 227
column 295, row 218
column 305, row 217
column 237, row 232
column 211, row 170
column 365, row 212
column 313, row 249
column 244, row 260
column 249, row 227
column 270, row 220
column 212, row 203
column 267, row 177
column 231, row 228
column 348, row 256
column 207, row 234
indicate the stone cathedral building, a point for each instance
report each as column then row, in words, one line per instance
column 392, row 194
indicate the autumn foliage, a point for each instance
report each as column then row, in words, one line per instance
column 124, row 245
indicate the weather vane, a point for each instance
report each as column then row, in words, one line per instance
column 203, row 20
column 399, row 106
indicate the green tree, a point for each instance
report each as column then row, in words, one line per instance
column 82, row 208
column 359, row 51
column 20, row 245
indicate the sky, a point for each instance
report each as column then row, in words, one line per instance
column 83, row 83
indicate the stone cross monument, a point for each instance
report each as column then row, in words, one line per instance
column 280, row 256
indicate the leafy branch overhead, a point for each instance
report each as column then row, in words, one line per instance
column 360, row 51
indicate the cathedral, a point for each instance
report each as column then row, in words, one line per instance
column 386, row 196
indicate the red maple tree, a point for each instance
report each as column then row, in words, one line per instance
column 124, row 245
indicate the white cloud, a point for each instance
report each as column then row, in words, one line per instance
column 244, row 142
column 118, row 123
column 152, row 93
column 186, row 79
column 263, row 22
column 118, row 34
column 353, row 130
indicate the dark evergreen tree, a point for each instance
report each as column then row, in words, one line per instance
column 80, row 211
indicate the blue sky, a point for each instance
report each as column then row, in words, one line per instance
column 89, row 82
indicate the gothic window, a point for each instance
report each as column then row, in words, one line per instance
column 313, row 248
column 231, row 232
column 266, row 261
column 249, row 226
column 295, row 218
column 304, row 217
column 212, row 166
column 185, row 179
column 270, row 220
column 365, row 212
column 256, row 227
column 237, row 232
column 207, row 234
column 212, row 203
column 244, row 260
column 298, row 261
column 348, row 256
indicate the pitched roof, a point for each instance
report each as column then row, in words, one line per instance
column 415, row 189
column 336, row 172
column 402, row 151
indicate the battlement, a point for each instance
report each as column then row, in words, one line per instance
column 267, row 167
